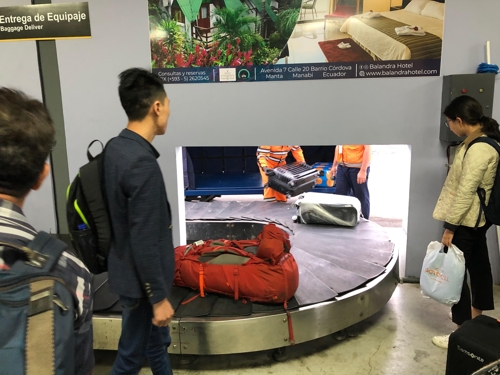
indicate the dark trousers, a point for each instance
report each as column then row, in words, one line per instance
column 346, row 183
column 140, row 339
column 477, row 263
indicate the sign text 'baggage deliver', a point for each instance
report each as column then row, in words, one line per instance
column 46, row 21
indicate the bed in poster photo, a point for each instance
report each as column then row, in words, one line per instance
column 391, row 47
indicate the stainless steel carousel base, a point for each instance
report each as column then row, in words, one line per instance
column 347, row 275
column 203, row 336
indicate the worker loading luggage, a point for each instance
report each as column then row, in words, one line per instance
column 270, row 157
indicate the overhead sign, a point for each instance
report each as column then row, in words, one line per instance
column 46, row 21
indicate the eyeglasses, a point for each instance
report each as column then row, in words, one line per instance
column 447, row 123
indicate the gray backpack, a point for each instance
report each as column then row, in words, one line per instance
column 37, row 311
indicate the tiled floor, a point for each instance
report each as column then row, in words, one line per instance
column 303, row 43
column 321, row 8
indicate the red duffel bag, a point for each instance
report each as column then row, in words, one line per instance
column 261, row 270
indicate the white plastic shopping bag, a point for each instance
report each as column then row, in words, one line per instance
column 442, row 273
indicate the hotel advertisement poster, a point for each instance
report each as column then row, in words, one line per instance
column 206, row 41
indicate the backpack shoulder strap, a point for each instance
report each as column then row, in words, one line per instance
column 43, row 253
column 480, row 192
column 487, row 140
column 48, row 245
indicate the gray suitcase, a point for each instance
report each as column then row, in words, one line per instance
column 322, row 208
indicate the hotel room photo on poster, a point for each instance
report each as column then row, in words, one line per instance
column 264, row 40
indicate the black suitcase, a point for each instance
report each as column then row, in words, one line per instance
column 293, row 179
column 474, row 345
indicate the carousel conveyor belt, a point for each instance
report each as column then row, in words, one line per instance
column 339, row 268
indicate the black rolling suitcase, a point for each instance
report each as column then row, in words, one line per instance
column 474, row 345
column 293, row 179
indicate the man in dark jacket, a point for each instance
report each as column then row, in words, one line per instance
column 141, row 260
column 26, row 139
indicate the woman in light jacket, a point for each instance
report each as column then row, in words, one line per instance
column 459, row 206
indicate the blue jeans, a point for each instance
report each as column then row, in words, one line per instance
column 140, row 339
column 346, row 183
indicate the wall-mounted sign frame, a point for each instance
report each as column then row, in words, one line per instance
column 45, row 22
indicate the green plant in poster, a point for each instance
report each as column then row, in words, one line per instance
column 198, row 56
column 231, row 55
column 286, row 21
column 161, row 56
column 265, row 55
column 235, row 42
column 188, row 45
column 285, row 24
column 157, row 13
column 233, row 24
column 172, row 35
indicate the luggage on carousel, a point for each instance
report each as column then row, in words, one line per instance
column 293, row 179
column 261, row 270
column 474, row 345
column 322, row 208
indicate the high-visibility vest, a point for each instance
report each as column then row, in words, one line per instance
column 351, row 155
column 274, row 155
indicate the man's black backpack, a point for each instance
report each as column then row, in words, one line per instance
column 492, row 210
column 87, row 214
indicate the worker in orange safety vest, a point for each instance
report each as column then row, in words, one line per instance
column 270, row 157
column 351, row 168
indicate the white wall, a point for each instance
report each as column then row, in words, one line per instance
column 369, row 111
column 19, row 70
column 389, row 192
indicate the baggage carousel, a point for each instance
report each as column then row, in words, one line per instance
column 346, row 275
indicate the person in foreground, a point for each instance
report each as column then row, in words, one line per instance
column 27, row 137
column 141, row 260
column 458, row 206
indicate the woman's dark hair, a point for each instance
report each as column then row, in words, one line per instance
column 138, row 90
column 26, row 139
column 471, row 113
